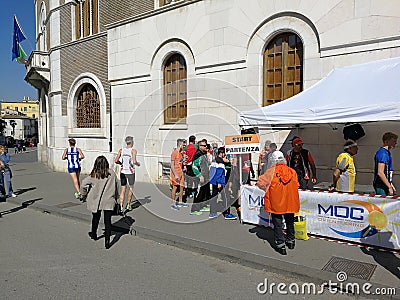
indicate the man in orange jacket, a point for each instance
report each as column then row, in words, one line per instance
column 281, row 199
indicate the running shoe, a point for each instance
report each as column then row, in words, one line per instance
column 183, row 204
column 128, row 207
column 196, row 213
column 174, row 207
column 230, row 217
column 205, row 209
column 212, row 216
column 77, row 195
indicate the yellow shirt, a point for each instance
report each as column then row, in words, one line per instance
column 345, row 163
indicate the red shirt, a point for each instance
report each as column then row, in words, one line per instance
column 190, row 151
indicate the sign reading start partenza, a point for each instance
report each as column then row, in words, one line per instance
column 240, row 144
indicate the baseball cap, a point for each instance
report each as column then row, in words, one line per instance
column 297, row 141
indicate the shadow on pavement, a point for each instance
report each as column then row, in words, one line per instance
column 24, row 204
column 386, row 259
column 140, row 202
column 264, row 233
column 22, row 191
column 121, row 227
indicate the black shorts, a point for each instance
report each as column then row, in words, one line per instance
column 127, row 179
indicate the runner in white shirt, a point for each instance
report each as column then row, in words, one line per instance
column 126, row 157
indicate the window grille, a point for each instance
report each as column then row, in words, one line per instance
column 88, row 108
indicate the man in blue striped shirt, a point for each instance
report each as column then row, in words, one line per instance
column 74, row 155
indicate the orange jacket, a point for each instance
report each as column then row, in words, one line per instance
column 281, row 190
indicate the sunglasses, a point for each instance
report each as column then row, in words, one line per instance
column 203, row 145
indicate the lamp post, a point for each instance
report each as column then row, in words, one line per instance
column 13, row 124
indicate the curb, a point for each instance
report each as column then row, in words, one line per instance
column 269, row 264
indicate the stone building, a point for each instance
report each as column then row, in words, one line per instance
column 161, row 70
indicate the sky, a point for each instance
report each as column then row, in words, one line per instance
column 13, row 87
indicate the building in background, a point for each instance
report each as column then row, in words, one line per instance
column 160, row 70
column 19, row 120
column 20, row 127
column 26, row 107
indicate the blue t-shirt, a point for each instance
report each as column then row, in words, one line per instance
column 5, row 158
column 383, row 156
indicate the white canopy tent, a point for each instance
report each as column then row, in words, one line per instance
column 359, row 93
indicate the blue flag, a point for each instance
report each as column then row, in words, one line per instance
column 18, row 36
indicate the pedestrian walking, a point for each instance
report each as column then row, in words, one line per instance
column 281, row 200
column 101, row 191
column 74, row 155
column 383, row 171
column 126, row 157
column 344, row 175
column 5, row 157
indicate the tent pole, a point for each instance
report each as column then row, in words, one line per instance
column 240, row 170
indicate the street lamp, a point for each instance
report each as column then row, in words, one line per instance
column 13, row 124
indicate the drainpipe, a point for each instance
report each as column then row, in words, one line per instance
column 110, row 141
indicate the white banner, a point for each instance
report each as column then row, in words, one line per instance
column 352, row 217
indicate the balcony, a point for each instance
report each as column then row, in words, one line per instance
column 38, row 70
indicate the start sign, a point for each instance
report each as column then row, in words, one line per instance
column 240, row 144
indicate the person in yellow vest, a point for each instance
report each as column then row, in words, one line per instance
column 344, row 175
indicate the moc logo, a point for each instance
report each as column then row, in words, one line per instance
column 339, row 211
column 257, row 201
column 364, row 214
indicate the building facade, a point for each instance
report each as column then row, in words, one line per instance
column 27, row 107
column 20, row 127
column 160, row 70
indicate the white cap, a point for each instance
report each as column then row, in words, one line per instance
column 278, row 157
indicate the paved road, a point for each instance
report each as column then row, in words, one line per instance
column 44, row 256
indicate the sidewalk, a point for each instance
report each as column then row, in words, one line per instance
column 40, row 188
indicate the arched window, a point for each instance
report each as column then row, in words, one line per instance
column 88, row 108
column 283, row 68
column 86, row 18
column 175, row 90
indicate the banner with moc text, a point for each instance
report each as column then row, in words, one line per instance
column 353, row 217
